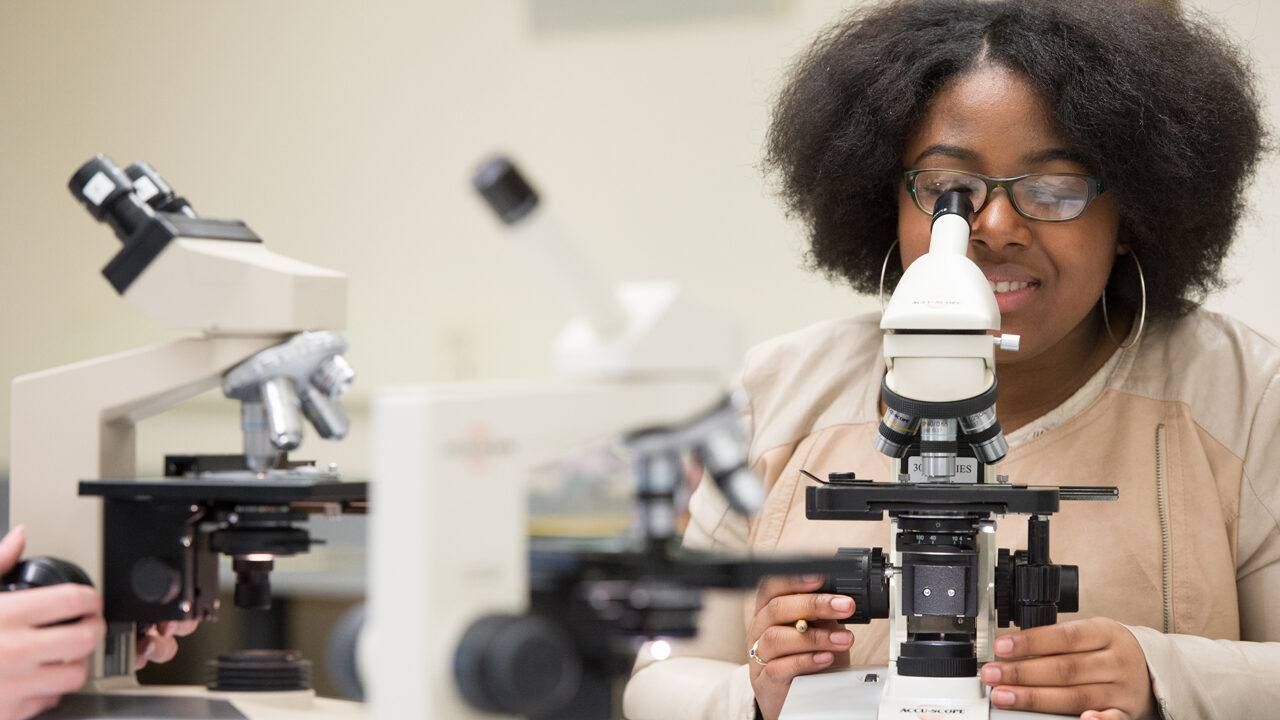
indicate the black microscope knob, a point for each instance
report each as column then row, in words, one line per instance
column 42, row 572
column 1004, row 587
column 864, row 581
column 1069, row 597
column 517, row 665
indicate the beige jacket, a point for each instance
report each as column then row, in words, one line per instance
column 1185, row 423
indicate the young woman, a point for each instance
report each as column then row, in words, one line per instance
column 1105, row 145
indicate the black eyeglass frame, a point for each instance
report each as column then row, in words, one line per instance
column 1095, row 189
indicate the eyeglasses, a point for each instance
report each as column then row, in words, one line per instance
column 1048, row 197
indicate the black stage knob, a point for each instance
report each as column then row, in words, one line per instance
column 517, row 665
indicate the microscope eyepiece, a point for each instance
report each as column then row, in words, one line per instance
column 108, row 194
column 505, row 189
column 153, row 190
column 953, row 202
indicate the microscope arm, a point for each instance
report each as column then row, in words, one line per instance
column 76, row 422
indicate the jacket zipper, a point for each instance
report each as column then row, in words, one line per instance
column 1166, row 556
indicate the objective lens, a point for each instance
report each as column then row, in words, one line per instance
column 897, row 431
column 938, row 447
column 334, row 376
column 325, row 414
column 983, row 432
column 260, row 455
column 284, row 416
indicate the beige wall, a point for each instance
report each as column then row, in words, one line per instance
column 345, row 134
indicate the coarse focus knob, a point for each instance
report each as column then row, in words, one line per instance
column 1030, row 616
column 1038, row 583
column 517, row 665
column 864, row 580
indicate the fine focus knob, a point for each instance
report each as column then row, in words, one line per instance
column 1069, row 596
column 517, row 665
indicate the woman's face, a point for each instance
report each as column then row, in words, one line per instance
column 1047, row 276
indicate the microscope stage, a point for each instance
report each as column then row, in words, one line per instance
column 271, row 490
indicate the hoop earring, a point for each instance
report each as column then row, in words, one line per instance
column 884, row 267
column 1142, row 315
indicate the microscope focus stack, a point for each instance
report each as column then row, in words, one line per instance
column 151, row 546
column 943, row 585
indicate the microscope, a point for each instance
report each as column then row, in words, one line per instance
column 501, row 624
column 152, row 546
column 943, row 584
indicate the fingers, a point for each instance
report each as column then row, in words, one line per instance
column 178, row 628
column 66, row 643
column 1112, row 714
column 28, row 707
column 1068, row 637
column 11, row 548
column 786, row 609
column 781, row 641
column 152, row 647
column 48, row 605
column 1071, row 669
column 55, row 680
column 774, row 586
column 1052, row 700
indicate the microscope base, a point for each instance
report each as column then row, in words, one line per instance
column 847, row 694
column 197, row 703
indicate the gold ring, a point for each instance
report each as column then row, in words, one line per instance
column 754, row 656
column 802, row 625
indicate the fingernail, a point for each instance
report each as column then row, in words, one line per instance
column 1001, row 697
column 1004, row 646
column 990, row 674
column 842, row 637
column 812, row 578
column 843, row 604
column 823, row 658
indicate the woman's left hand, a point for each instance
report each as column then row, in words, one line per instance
column 1094, row 668
column 159, row 644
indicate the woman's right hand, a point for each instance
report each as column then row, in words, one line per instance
column 39, row 661
column 786, row 651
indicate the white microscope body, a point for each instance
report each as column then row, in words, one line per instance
column 939, row 389
column 77, row 422
column 451, row 463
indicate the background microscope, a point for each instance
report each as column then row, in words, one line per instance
column 152, row 546
column 546, row 628
column 943, row 585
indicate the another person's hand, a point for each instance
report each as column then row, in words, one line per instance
column 1093, row 667
column 784, row 650
column 39, row 660
column 158, row 644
